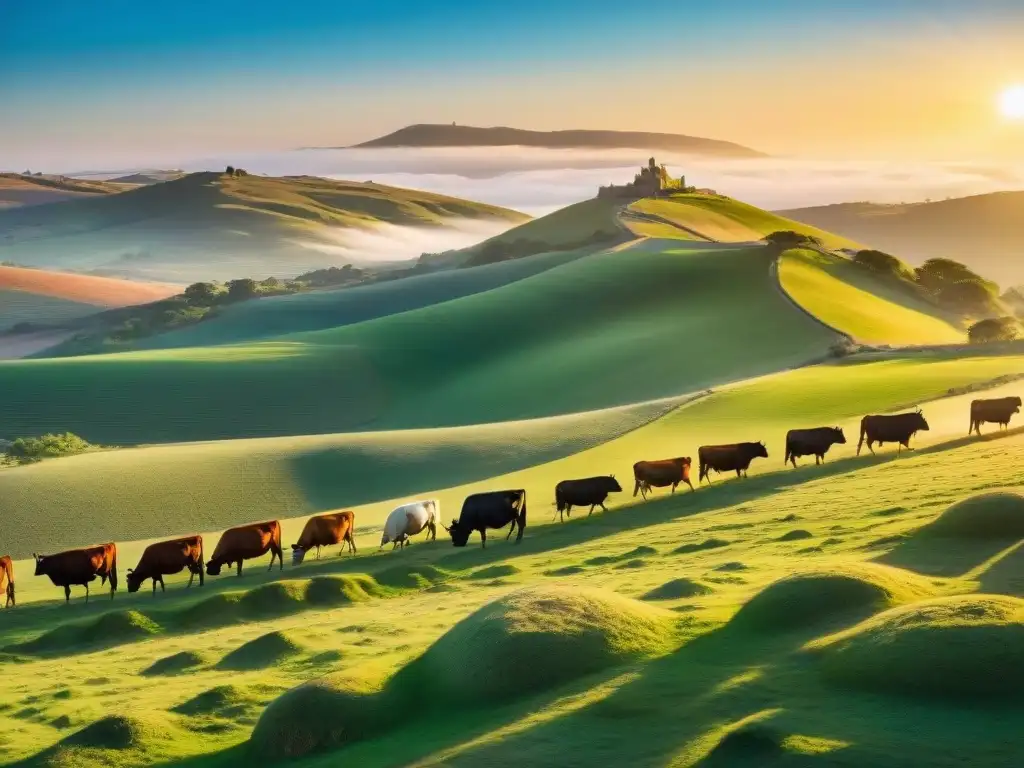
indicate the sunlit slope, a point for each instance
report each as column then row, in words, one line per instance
column 329, row 309
column 870, row 310
column 163, row 490
column 714, row 217
column 207, row 226
column 613, row 328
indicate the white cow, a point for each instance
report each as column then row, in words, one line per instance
column 409, row 519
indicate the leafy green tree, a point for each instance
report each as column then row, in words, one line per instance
column 230, row 170
column 242, row 290
column 790, row 239
column 993, row 329
column 973, row 297
column 881, row 262
column 936, row 274
column 201, row 294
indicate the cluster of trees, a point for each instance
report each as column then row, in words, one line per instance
column 232, row 171
column 993, row 329
column 26, row 450
column 787, row 238
column 504, row 250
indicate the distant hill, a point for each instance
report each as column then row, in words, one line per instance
column 211, row 226
column 986, row 232
column 430, row 135
column 148, row 177
column 18, row 190
column 38, row 296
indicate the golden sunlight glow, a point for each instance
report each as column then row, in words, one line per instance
column 1011, row 102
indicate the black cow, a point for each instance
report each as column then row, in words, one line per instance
column 494, row 509
column 727, row 458
column 998, row 411
column 812, row 442
column 898, row 428
column 578, row 493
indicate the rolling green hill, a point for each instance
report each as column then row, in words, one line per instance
column 986, row 232
column 20, row 190
column 209, row 226
column 618, row 326
column 426, row 135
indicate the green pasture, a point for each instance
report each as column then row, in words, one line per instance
column 867, row 308
column 727, row 627
column 613, row 328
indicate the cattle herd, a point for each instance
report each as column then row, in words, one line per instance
column 480, row 512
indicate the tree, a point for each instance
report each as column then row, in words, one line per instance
column 993, row 329
column 789, row 239
column 881, row 262
column 936, row 274
column 242, row 290
column 201, row 294
column 969, row 296
column 230, row 170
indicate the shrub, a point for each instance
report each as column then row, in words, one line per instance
column 936, row 274
column 201, row 294
column 790, row 239
column 47, row 446
column 993, row 329
column 882, row 263
column 974, row 297
column 242, row 290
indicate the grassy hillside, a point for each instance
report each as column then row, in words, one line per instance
column 207, row 226
column 986, row 232
column 17, row 190
column 426, row 135
column 613, row 328
column 869, row 309
column 715, row 217
column 724, row 628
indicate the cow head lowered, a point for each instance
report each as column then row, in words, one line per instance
column 459, row 533
column 134, row 581
column 213, row 568
column 298, row 554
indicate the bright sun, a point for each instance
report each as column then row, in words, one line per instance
column 1011, row 102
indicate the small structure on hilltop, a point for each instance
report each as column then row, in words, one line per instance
column 651, row 181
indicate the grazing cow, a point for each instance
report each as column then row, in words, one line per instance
column 408, row 520
column 323, row 531
column 661, row 474
column 494, row 509
column 812, row 442
column 7, row 576
column 728, row 458
column 897, row 428
column 80, row 567
column 244, row 543
column 167, row 557
column 998, row 411
column 578, row 493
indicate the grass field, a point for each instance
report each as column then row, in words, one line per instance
column 617, row 327
column 256, row 226
column 870, row 310
column 693, row 648
column 40, row 296
column 718, row 218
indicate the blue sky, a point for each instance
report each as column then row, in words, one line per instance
column 117, row 77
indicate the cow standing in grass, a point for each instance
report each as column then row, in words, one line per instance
column 997, row 411
column 80, row 567
column 812, row 442
column 408, row 520
column 661, row 474
column 897, row 428
column 324, row 531
column 578, row 493
column 245, row 543
column 166, row 558
column 729, row 458
column 7, row 580
column 494, row 509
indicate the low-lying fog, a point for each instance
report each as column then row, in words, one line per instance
column 537, row 181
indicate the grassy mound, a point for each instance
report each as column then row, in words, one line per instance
column 110, row 629
column 266, row 650
column 174, row 664
column 275, row 599
column 534, row 639
column 678, row 588
column 807, row 599
column 225, row 701
column 319, row 715
column 755, row 744
column 965, row 647
column 686, row 549
column 797, row 534
column 404, row 577
column 986, row 516
column 494, row 572
column 326, row 591
column 120, row 732
column 210, row 612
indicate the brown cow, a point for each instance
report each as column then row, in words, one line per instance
column 244, row 543
column 998, row 411
column 661, row 474
column 7, row 575
column 735, row 457
column 167, row 557
column 323, row 531
column 80, row 567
